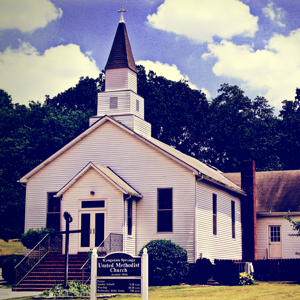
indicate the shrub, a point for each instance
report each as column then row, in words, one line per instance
column 246, row 279
column 73, row 288
column 200, row 272
column 8, row 272
column 167, row 262
column 226, row 272
column 31, row 237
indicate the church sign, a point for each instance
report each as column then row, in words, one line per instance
column 119, row 264
column 119, row 273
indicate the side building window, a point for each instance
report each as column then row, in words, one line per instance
column 129, row 217
column 53, row 212
column 165, row 210
column 233, row 218
column 214, row 214
column 137, row 105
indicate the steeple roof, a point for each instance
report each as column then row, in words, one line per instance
column 121, row 55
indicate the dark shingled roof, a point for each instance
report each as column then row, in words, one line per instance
column 121, row 55
column 276, row 191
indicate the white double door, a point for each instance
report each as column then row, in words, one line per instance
column 92, row 225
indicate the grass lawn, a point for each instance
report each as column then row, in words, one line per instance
column 12, row 247
column 262, row 290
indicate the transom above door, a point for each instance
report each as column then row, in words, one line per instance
column 92, row 224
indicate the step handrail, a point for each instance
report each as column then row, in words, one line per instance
column 31, row 250
column 108, row 249
column 35, row 255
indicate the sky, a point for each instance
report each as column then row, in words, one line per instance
column 47, row 45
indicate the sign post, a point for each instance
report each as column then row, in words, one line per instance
column 145, row 275
column 119, row 273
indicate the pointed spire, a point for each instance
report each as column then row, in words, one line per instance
column 121, row 55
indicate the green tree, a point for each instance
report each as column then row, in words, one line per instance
column 240, row 129
column 176, row 112
column 81, row 97
column 289, row 129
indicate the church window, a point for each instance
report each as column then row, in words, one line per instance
column 165, row 210
column 53, row 213
column 113, row 102
column 233, row 218
column 129, row 217
column 137, row 105
column 214, row 214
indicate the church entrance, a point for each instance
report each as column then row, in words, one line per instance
column 92, row 225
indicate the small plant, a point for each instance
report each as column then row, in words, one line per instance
column 32, row 236
column 73, row 288
column 246, row 279
column 168, row 263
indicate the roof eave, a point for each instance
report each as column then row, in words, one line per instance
column 226, row 186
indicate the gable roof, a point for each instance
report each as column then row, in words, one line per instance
column 120, row 54
column 276, row 191
column 200, row 169
column 108, row 174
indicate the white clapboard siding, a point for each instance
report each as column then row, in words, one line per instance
column 140, row 112
column 120, row 79
column 140, row 165
column 290, row 244
column 130, row 240
column 221, row 245
column 104, row 190
column 126, row 103
column 135, row 123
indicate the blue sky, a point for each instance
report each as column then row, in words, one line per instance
column 47, row 45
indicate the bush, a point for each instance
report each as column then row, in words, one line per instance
column 31, row 237
column 200, row 272
column 73, row 288
column 168, row 263
column 226, row 272
column 246, row 279
column 8, row 272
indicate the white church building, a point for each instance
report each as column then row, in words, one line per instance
column 115, row 178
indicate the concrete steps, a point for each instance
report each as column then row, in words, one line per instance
column 50, row 271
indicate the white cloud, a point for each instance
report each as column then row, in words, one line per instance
column 274, row 70
column 200, row 20
column 169, row 72
column 27, row 75
column 206, row 92
column 27, row 15
column 275, row 14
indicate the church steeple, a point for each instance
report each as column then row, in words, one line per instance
column 120, row 99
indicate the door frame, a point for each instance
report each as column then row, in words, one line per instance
column 269, row 240
column 92, row 211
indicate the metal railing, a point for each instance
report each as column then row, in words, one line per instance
column 112, row 243
column 49, row 243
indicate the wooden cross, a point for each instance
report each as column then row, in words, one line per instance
column 68, row 219
column 121, row 11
